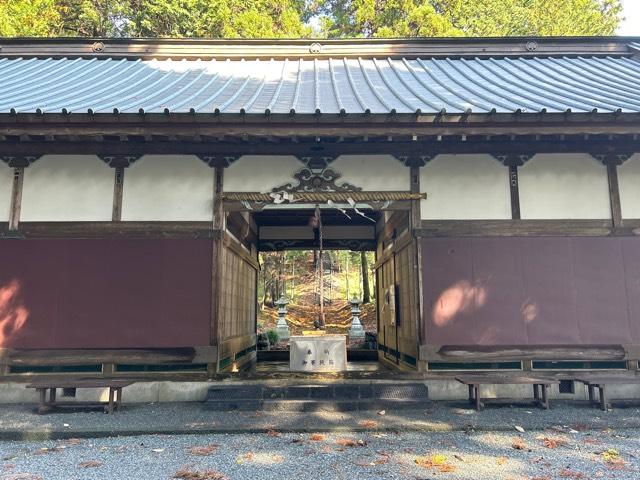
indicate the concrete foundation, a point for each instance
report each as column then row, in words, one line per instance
column 165, row 391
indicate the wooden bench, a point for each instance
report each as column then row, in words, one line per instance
column 540, row 385
column 115, row 393
column 600, row 382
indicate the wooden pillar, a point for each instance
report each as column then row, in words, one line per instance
column 611, row 160
column 512, row 162
column 218, row 163
column 217, row 253
column 18, row 163
column 119, row 163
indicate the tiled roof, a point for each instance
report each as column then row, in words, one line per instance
column 322, row 86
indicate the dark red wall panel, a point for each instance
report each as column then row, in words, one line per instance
column 105, row 293
column 531, row 290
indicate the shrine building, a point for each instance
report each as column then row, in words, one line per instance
column 499, row 182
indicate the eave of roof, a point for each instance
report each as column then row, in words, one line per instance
column 163, row 48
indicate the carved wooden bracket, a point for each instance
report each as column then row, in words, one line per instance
column 316, row 162
column 512, row 159
column 612, row 158
column 414, row 161
column 219, row 160
column 314, row 181
column 119, row 161
column 16, row 161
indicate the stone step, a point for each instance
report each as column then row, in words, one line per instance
column 312, row 397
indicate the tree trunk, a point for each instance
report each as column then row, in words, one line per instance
column 366, row 293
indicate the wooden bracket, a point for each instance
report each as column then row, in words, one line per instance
column 513, row 159
column 119, row 160
column 219, row 160
column 19, row 161
column 414, row 161
column 316, row 161
column 612, row 158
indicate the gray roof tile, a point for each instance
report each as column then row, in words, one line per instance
column 337, row 85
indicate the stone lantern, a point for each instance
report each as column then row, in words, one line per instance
column 282, row 328
column 356, row 330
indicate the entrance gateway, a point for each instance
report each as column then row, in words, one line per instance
column 136, row 192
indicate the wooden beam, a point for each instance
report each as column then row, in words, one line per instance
column 174, row 230
column 455, row 353
column 507, row 228
column 119, row 126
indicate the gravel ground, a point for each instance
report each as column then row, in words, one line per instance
column 19, row 422
column 568, row 454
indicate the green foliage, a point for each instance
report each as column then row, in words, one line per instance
column 450, row 18
column 273, row 337
column 291, row 18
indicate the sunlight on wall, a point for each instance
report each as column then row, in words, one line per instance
column 461, row 297
column 13, row 313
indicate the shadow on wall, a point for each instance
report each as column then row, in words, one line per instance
column 531, row 291
column 13, row 313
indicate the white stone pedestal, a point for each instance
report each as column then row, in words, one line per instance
column 318, row 353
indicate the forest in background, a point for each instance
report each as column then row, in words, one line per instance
column 308, row 18
column 294, row 274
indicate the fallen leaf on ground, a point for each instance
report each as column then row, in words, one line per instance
column 349, row 442
column 437, row 462
column 501, row 460
column 382, row 412
column 196, row 475
column 90, row 464
column 568, row 473
column 158, row 450
column 316, row 437
column 519, row 428
column 553, row 442
column 273, row 433
column 45, row 450
column 72, row 441
column 369, row 424
column 518, row 444
column 204, row 450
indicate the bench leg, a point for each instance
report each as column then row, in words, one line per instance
column 545, row 396
column 110, row 406
column 536, row 392
column 590, row 389
column 118, row 398
column 476, row 391
column 42, row 407
column 471, row 397
column 603, row 398
column 52, row 396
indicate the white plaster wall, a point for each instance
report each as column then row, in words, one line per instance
column 67, row 188
column 255, row 173
column 6, row 181
column 465, row 187
column 168, row 188
column 629, row 182
column 372, row 172
column 564, row 186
